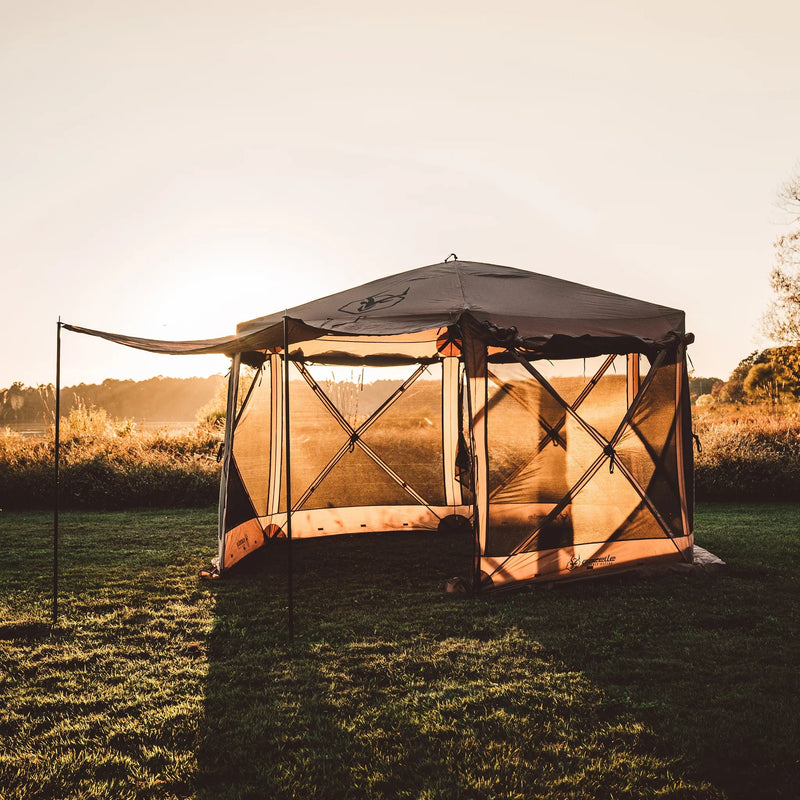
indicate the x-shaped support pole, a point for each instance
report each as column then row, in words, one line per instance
column 355, row 435
column 552, row 433
column 608, row 448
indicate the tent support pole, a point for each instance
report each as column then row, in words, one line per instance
column 485, row 455
column 680, row 450
column 475, row 367
column 56, row 475
column 288, row 451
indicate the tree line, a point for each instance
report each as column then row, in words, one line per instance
column 771, row 375
column 155, row 399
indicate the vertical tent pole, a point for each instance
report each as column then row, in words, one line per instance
column 276, row 436
column 475, row 366
column 633, row 379
column 56, row 476
column 680, row 446
column 288, row 450
column 485, row 454
column 450, row 429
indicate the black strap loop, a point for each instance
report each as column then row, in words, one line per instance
column 609, row 451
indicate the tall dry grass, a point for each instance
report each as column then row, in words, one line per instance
column 750, row 452
column 109, row 464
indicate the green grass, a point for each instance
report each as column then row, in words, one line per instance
column 155, row 685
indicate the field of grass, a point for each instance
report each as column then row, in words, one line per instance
column 155, row 685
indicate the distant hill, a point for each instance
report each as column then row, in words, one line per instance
column 153, row 400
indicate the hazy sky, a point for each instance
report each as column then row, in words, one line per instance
column 172, row 168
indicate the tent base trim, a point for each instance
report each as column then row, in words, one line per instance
column 582, row 560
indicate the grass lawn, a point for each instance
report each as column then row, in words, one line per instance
column 155, row 685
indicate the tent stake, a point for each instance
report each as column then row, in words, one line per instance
column 287, row 446
column 56, row 487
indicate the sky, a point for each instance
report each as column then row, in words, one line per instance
column 169, row 169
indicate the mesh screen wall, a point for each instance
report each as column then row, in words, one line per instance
column 581, row 464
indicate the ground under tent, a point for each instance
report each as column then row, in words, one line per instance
column 550, row 417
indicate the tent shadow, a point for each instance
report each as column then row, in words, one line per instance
column 258, row 680
column 282, row 720
column 25, row 631
column 250, row 663
column 679, row 660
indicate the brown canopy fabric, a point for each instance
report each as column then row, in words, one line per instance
column 537, row 306
column 222, row 345
column 541, row 313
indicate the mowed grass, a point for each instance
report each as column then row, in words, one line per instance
column 156, row 685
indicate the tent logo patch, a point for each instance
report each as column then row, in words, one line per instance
column 590, row 563
column 376, row 302
column 574, row 563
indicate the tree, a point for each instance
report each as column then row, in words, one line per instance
column 772, row 374
column 765, row 381
column 781, row 321
column 12, row 401
column 733, row 389
column 701, row 386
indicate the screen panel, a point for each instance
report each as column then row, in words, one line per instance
column 252, row 440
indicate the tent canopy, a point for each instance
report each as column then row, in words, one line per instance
column 545, row 315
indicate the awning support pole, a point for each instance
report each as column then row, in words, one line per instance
column 288, row 451
column 56, row 476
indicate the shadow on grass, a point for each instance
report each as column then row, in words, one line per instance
column 705, row 663
column 671, row 687
column 277, row 721
column 24, row 631
column 264, row 705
